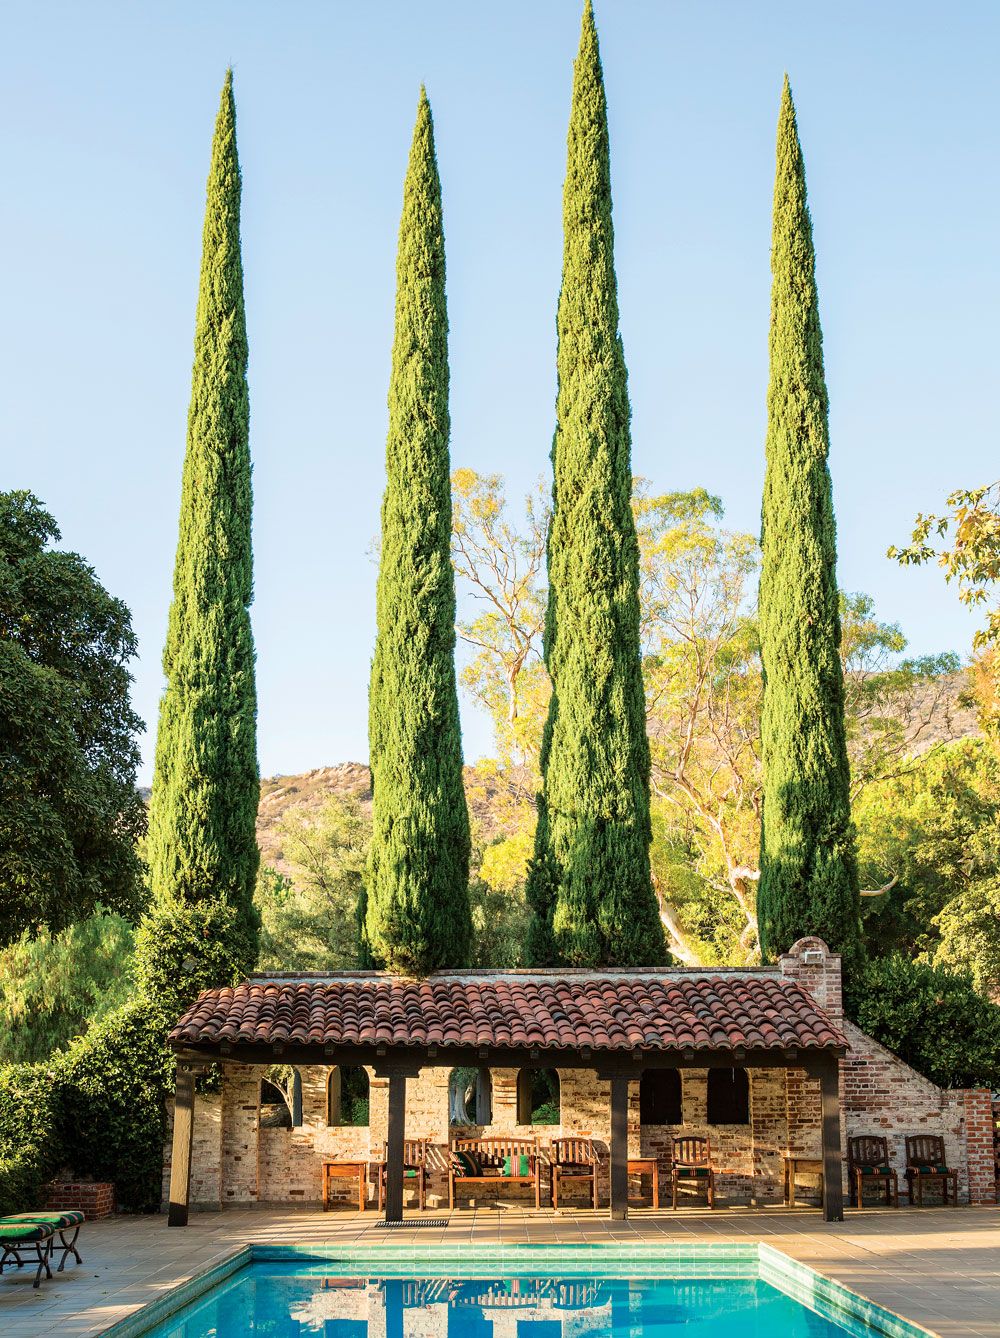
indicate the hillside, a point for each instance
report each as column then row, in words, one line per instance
column 935, row 714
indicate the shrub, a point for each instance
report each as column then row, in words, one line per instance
column 931, row 1017
column 30, row 1142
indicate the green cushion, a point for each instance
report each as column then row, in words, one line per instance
column 516, row 1165
column 926, row 1168
column 693, row 1170
column 409, row 1170
column 23, row 1233
column 71, row 1217
column 874, row 1170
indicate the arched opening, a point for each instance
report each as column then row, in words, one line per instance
column 470, row 1096
column 538, row 1096
column 348, row 1097
column 281, row 1098
column 660, row 1097
column 728, row 1096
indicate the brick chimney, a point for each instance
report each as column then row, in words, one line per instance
column 812, row 965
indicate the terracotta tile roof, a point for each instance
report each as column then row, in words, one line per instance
column 554, row 1010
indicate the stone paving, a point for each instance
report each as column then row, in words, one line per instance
column 937, row 1266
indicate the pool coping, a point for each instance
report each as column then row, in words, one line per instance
column 796, row 1280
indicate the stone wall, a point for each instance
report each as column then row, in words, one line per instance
column 237, row 1161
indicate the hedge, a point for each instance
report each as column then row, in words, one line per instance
column 931, row 1017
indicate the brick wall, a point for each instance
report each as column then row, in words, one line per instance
column 236, row 1161
column 95, row 1200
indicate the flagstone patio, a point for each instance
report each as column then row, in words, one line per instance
column 938, row 1267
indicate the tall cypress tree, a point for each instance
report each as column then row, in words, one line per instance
column 202, row 833
column 417, row 914
column 808, row 877
column 589, row 884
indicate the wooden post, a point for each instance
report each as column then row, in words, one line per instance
column 180, row 1162
column 619, row 1147
column 833, row 1168
column 394, row 1147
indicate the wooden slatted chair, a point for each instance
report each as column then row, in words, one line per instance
column 414, row 1168
column 692, row 1167
column 925, row 1160
column 868, row 1159
column 574, row 1159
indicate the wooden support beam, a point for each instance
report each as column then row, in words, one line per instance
column 180, row 1162
column 394, row 1147
column 619, row 1147
column 833, row 1166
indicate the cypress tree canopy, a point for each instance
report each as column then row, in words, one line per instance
column 589, row 884
column 417, row 914
column 808, row 880
column 202, row 826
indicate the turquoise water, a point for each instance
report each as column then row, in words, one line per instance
column 294, row 1300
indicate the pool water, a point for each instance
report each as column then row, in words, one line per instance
column 293, row 1300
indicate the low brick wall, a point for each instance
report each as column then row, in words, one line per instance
column 95, row 1199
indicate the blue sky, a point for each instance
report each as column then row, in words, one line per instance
column 107, row 112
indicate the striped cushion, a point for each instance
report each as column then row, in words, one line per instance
column 927, row 1168
column 465, row 1163
column 23, row 1233
column 875, row 1170
column 69, row 1217
column 692, row 1170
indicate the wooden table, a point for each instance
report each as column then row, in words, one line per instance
column 793, row 1164
column 647, row 1166
column 345, row 1170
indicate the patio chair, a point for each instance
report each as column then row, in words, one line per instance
column 574, row 1159
column 18, row 1238
column 692, row 1167
column 868, row 1159
column 414, row 1168
column 925, row 1160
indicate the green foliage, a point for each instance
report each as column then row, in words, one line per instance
column 183, row 949
column 53, row 986
column 418, row 873
column 973, row 559
column 930, row 1017
column 30, row 1137
column 115, row 1080
column 308, row 918
column 808, row 869
column 935, row 831
column 70, row 814
column 203, row 811
column 589, row 886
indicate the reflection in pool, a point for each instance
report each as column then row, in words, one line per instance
column 294, row 1300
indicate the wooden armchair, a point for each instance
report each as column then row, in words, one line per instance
column 414, row 1168
column 574, row 1159
column 868, row 1159
column 692, row 1166
column 925, row 1160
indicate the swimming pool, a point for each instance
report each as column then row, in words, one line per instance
column 742, row 1291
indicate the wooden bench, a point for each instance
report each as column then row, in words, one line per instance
column 489, row 1154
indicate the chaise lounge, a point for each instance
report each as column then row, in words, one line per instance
column 21, row 1231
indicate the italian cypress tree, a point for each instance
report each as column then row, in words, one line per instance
column 808, row 868
column 417, row 914
column 589, row 884
column 202, row 836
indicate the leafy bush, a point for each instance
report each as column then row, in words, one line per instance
column 52, row 986
column 931, row 1017
column 30, row 1142
column 181, row 949
column 113, row 1119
